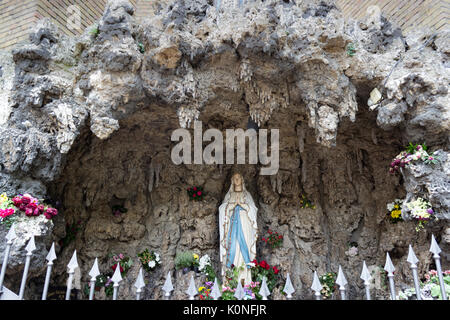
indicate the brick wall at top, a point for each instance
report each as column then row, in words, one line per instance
column 17, row 17
column 407, row 14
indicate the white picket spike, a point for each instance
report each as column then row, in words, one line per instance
column 434, row 247
column 365, row 274
column 264, row 291
column 11, row 235
column 168, row 287
column 412, row 259
column 95, row 272
column 288, row 287
column 117, row 276
column 341, row 281
column 31, row 246
column 389, row 267
column 215, row 291
column 51, row 254
column 73, row 263
column 316, row 285
column 239, row 294
column 140, row 281
column 192, row 290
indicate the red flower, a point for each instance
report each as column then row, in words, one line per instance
column 115, row 266
column 17, row 201
column 195, row 188
column 194, row 195
column 270, row 232
column 275, row 270
column 29, row 212
column 52, row 211
column 280, row 237
column 199, row 193
column 264, row 239
column 26, row 200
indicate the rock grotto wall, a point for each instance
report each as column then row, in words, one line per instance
column 87, row 123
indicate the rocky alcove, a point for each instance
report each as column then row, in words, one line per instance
column 90, row 120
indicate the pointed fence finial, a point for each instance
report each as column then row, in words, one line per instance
column 51, row 254
column 365, row 275
column 31, row 246
column 239, row 294
column 215, row 291
column 95, row 272
column 434, row 247
column 264, row 291
column 168, row 287
column 192, row 290
column 389, row 267
column 288, row 287
column 11, row 234
column 140, row 281
column 117, row 276
column 342, row 282
column 316, row 286
column 73, row 263
column 437, row 260
column 139, row 284
column 412, row 259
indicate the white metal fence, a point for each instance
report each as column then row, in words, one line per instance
column 191, row 292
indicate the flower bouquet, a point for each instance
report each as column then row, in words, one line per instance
column 149, row 259
column 395, row 210
column 273, row 239
column 420, row 210
column 328, row 281
column 206, row 267
column 187, row 261
column 263, row 269
column 205, row 291
column 9, row 208
column 413, row 152
column 196, row 193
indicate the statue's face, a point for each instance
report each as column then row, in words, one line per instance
column 237, row 180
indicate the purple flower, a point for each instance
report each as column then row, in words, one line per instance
column 430, row 211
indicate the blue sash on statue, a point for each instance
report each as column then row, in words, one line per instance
column 235, row 234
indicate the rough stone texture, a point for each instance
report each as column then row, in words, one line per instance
column 89, row 123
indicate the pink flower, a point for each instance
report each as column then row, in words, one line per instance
column 199, row 193
column 29, row 212
column 121, row 256
column 26, row 200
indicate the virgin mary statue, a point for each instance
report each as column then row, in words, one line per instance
column 238, row 229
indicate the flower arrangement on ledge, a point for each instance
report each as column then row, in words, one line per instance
column 187, row 261
column 422, row 211
column 206, row 267
column 23, row 203
column 125, row 264
column 150, row 260
column 263, row 269
column 196, row 193
column 395, row 210
column 273, row 239
column 328, row 281
column 413, row 152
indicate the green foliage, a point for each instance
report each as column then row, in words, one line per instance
column 9, row 221
column 94, row 32
column 196, row 193
column 351, row 50
column 306, row 203
column 328, row 282
column 209, row 272
column 141, row 47
column 412, row 148
column 185, row 260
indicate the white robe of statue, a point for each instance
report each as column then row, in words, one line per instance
column 237, row 194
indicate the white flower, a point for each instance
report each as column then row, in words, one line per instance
column 152, row 264
column 204, row 261
column 390, row 206
column 156, row 257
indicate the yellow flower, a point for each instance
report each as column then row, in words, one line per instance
column 3, row 198
column 195, row 256
column 201, row 289
column 396, row 206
